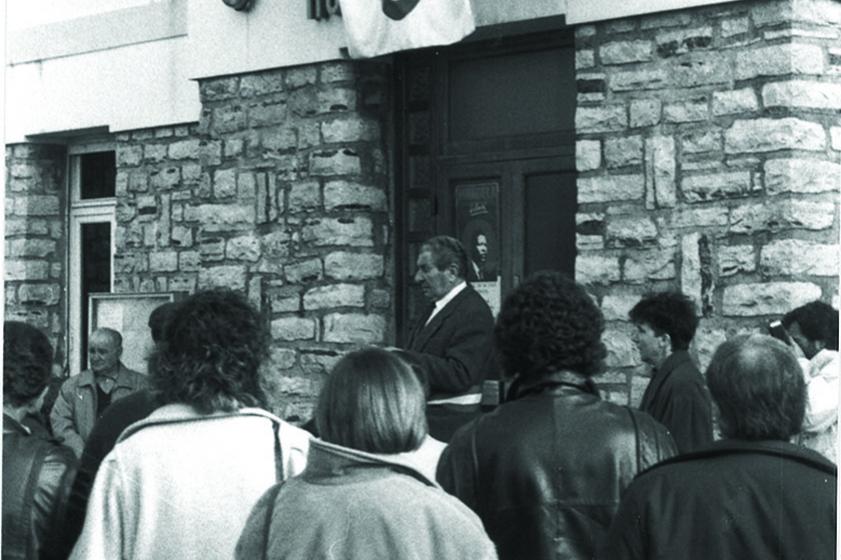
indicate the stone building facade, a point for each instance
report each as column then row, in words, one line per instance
column 707, row 141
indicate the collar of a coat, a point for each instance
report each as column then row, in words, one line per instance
column 123, row 378
column 327, row 460
column 671, row 363
column 561, row 378
column 781, row 449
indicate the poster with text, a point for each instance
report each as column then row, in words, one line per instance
column 477, row 227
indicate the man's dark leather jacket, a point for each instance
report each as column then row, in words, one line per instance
column 36, row 480
column 545, row 471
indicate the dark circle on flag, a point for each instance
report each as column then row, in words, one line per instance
column 398, row 9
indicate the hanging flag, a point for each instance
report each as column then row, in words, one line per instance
column 379, row 27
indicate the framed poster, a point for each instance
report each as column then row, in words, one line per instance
column 128, row 314
column 477, row 227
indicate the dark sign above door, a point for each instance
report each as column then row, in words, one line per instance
column 322, row 9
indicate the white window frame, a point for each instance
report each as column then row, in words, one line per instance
column 81, row 212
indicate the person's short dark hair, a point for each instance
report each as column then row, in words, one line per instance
column 818, row 321
column 211, row 353
column 549, row 323
column 372, row 401
column 670, row 313
column 447, row 251
column 759, row 389
column 158, row 319
column 27, row 362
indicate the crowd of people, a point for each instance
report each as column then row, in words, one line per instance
column 401, row 460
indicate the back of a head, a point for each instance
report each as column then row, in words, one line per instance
column 817, row 320
column 549, row 323
column 672, row 313
column 159, row 318
column 758, row 386
column 211, row 353
column 447, row 251
column 27, row 362
column 372, row 402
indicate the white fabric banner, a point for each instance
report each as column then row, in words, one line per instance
column 376, row 27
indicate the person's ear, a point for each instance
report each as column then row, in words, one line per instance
column 666, row 342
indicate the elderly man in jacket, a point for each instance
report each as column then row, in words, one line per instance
column 84, row 397
column 545, row 470
column 750, row 495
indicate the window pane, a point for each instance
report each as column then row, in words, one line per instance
column 550, row 227
column 98, row 172
column 96, row 268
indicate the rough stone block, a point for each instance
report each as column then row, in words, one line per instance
column 279, row 139
column 38, row 248
column 660, row 188
column 224, row 276
column 716, row 186
column 622, row 52
column 650, row 265
column 305, row 271
column 821, row 12
column 780, row 59
column 335, row 295
column 631, row 231
column 636, row 80
column 645, row 112
column 380, row 299
column 301, row 76
column 357, row 232
column 342, row 265
column 596, row 269
column 772, row 298
column 671, row 43
column 184, row 149
column 246, row 186
column 801, row 176
column 293, row 328
column 163, row 261
column 734, row 26
column 588, row 155
column 835, row 137
column 228, row 119
column 767, row 135
column 609, row 188
column 702, row 70
column 686, row 111
column 781, row 215
column 39, row 294
column 243, row 248
column 277, row 244
column 621, row 349
column 621, row 152
column 339, row 71
column 616, row 307
column 155, row 152
column 793, row 257
column 802, row 94
column 17, row 270
column 167, row 178
column 349, row 129
column 128, row 156
column 286, row 301
column 691, row 266
column 607, row 118
column 181, row 236
column 17, row 226
column 216, row 89
column 697, row 142
column 210, row 152
column 37, row 205
column 304, row 196
column 335, row 100
column 267, row 113
column 736, row 259
column 734, row 102
column 584, row 58
column 221, row 217
column 320, row 360
column 341, row 162
column 280, row 359
column 252, row 85
column 699, row 217
column 349, row 195
column 354, row 328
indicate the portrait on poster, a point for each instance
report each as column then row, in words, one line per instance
column 477, row 227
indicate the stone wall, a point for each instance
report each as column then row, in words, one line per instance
column 279, row 191
column 708, row 145
column 35, row 241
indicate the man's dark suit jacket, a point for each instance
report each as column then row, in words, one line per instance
column 678, row 398
column 455, row 350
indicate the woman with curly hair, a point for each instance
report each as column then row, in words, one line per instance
column 361, row 495
column 545, row 470
column 180, row 483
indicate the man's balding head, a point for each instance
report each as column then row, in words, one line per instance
column 105, row 346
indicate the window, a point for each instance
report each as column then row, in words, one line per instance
column 91, row 248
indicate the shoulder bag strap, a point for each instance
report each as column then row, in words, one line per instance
column 278, row 452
